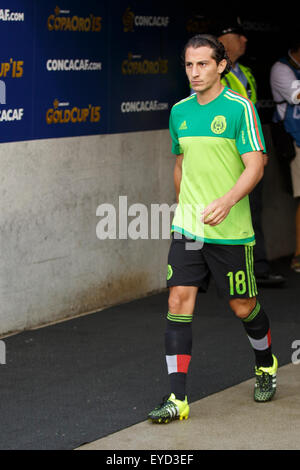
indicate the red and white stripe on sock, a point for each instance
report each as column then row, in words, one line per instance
column 178, row 363
column 261, row 344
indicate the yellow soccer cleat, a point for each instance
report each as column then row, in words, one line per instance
column 169, row 410
column 265, row 386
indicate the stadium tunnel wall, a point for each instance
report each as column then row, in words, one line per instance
column 53, row 265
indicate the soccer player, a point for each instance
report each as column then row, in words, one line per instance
column 219, row 145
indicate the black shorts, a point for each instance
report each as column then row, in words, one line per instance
column 231, row 266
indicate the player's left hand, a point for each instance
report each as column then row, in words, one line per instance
column 216, row 211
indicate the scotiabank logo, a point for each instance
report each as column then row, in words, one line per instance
column 63, row 20
column 63, row 113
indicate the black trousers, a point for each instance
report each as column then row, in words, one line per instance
column 261, row 264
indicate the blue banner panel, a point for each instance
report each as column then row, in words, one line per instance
column 88, row 67
column 17, row 25
column 71, row 69
column 146, row 74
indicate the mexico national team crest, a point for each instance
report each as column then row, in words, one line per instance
column 170, row 272
column 218, row 125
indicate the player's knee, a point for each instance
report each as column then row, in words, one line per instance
column 175, row 302
column 242, row 307
column 178, row 298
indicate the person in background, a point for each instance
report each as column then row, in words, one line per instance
column 286, row 93
column 241, row 80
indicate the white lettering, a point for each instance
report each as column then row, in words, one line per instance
column 11, row 114
column 165, row 210
column 106, row 228
column 159, row 218
column 151, row 21
column 118, row 460
column 72, row 65
column 296, row 111
column 2, row 92
column 138, row 227
column 296, row 94
column 168, row 459
column 6, row 15
column 143, row 106
column 2, row 352
column 296, row 354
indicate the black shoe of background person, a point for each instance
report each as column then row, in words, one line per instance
column 270, row 280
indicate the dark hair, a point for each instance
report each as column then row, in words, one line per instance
column 208, row 40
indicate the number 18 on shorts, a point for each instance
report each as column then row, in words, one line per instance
column 231, row 266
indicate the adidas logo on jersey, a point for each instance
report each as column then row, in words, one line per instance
column 183, row 126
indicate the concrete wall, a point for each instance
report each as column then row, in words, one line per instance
column 52, row 265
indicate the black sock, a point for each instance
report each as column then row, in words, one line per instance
column 178, row 347
column 257, row 327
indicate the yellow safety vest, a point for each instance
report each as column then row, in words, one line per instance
column 235, row 84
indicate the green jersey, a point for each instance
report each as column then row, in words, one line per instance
column 212, row 138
